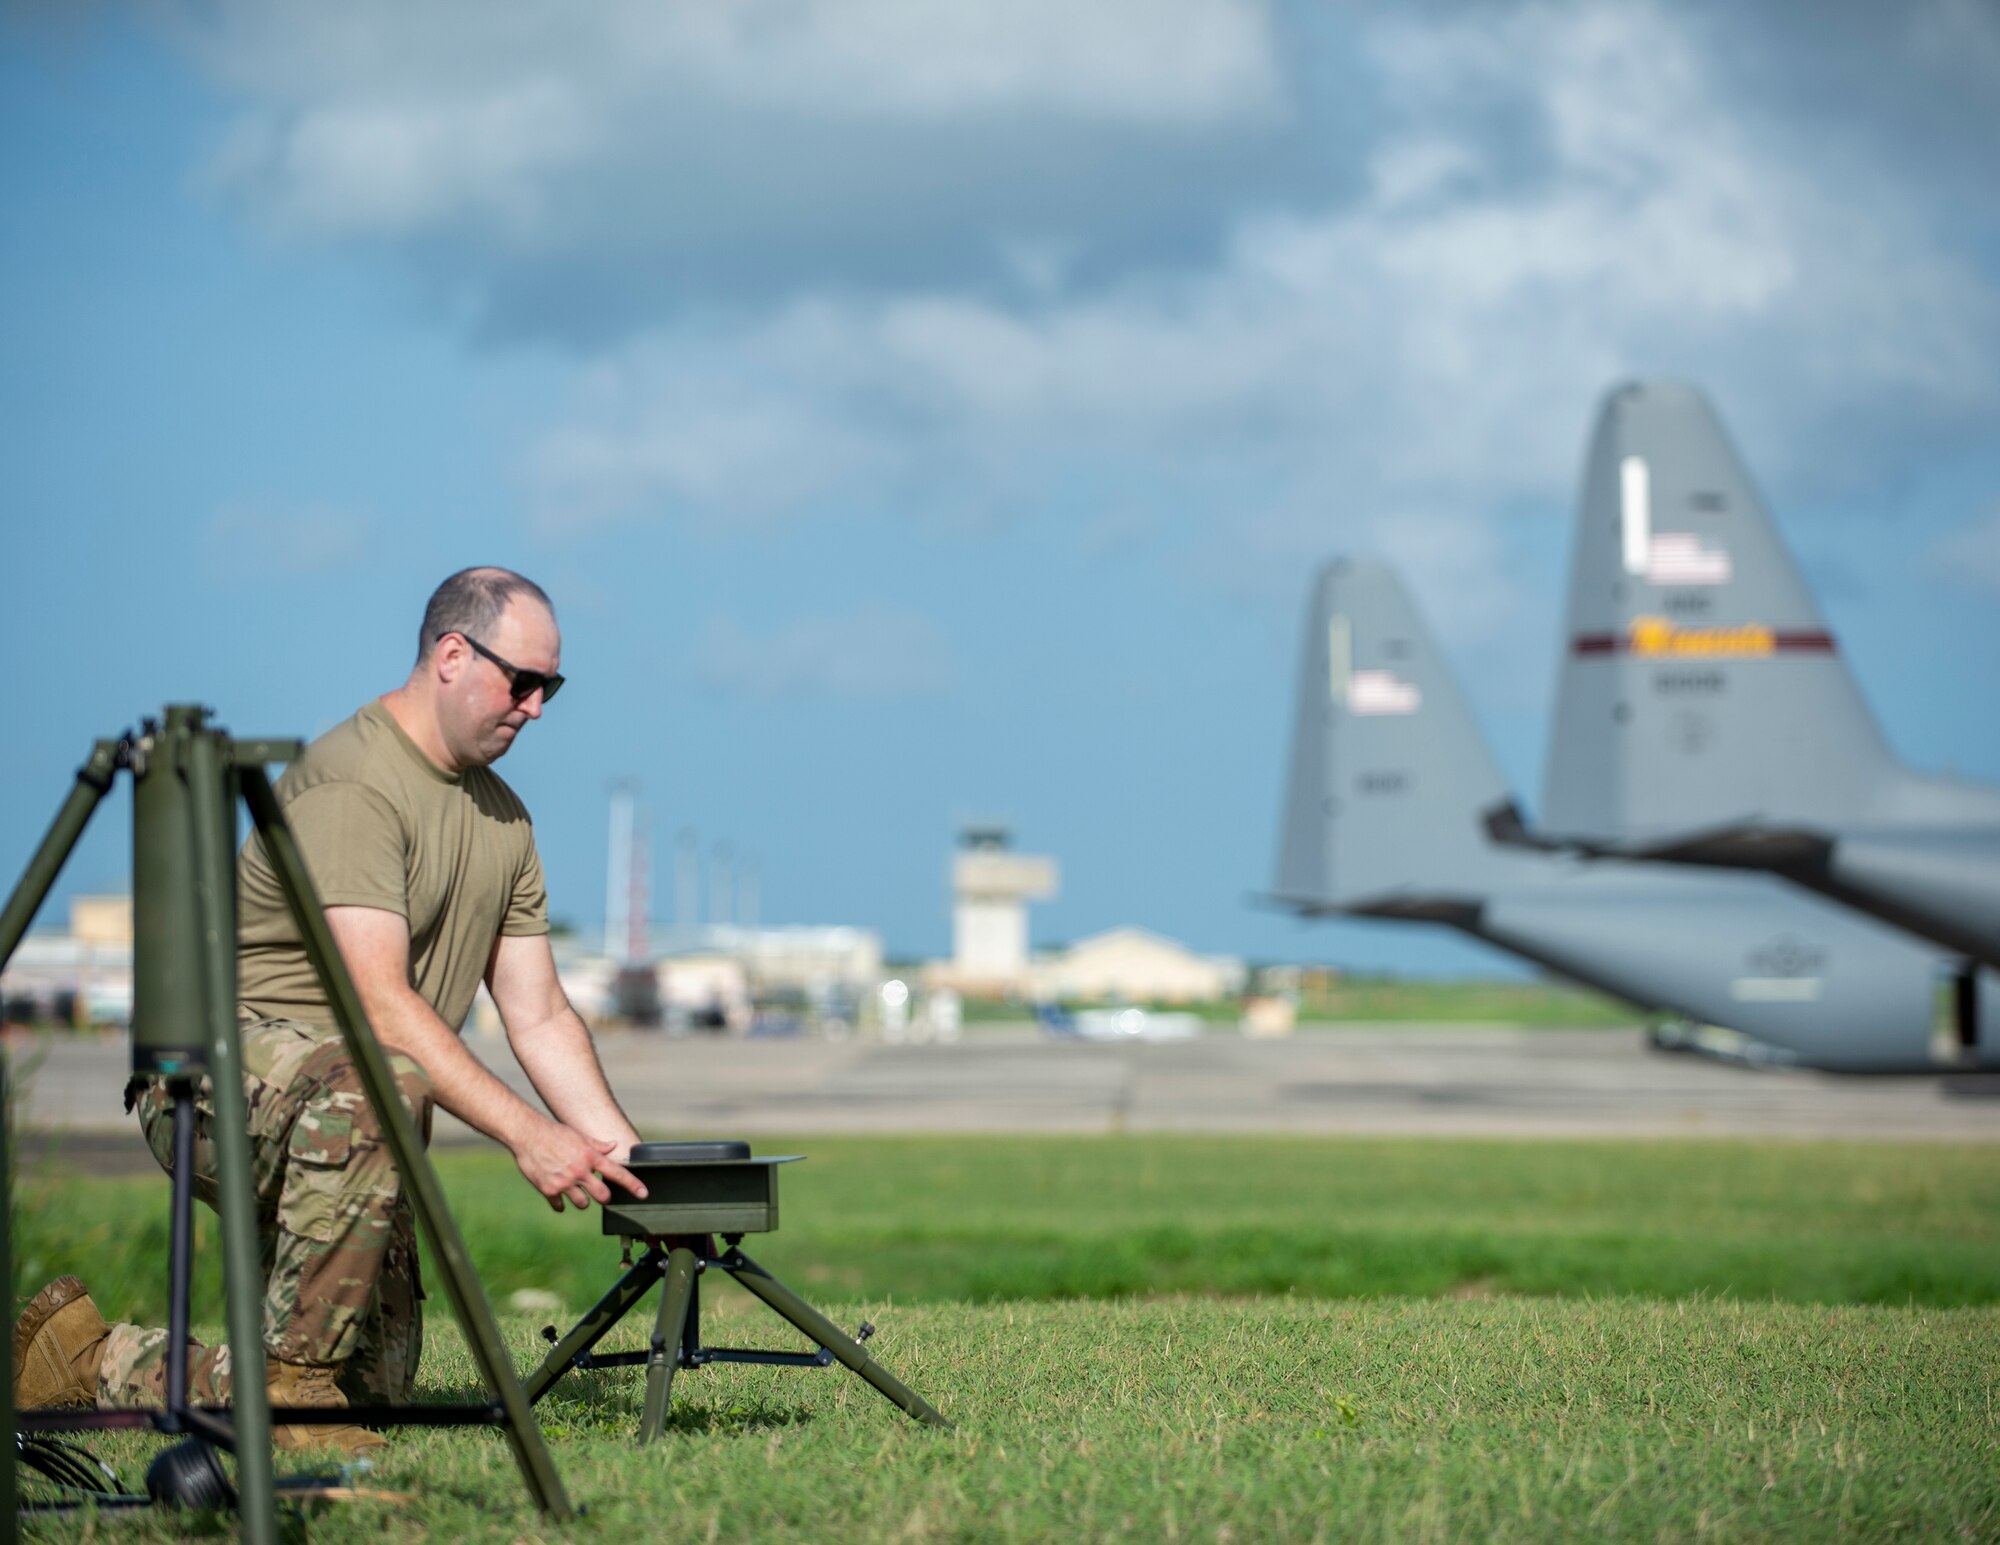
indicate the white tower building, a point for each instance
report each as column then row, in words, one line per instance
column 991, row 889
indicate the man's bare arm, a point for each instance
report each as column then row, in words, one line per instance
column 559, row 1161
column 553, row 1044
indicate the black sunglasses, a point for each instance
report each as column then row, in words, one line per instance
column 521, row 685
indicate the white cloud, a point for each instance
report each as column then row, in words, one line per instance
column 388, row 167
column 378, row 118
column 1968, row 558
column 247, row 540
column 1459, row 560
column 1398, row 366
column 940, row 318
column 689, row 443
column 872, row 653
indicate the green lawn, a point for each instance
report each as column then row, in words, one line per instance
column 1039, row 1218
column 1395, row 1000
column 1541, row 1004
column 1156, row 1338
column 1271, row 1419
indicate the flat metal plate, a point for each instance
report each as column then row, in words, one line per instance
column 688, row 1153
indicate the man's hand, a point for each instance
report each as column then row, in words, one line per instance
column 564, row 1165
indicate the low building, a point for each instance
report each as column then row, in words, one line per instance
column 713, row 977
column 1134, row 965
column 81, row 977
column 101, row 922
column 712, row 991
column 801, row 957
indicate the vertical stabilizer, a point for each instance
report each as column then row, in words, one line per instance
column 1699, row 683
column 1390, row 778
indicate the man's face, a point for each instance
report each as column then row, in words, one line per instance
column 479, row 716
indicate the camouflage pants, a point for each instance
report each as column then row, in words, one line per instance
column 339, row 1237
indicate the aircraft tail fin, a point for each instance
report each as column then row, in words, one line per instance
column 1699, row 683
column 1390, row 779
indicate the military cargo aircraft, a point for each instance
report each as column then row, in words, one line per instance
column 1704, row 714
column 1390, row 793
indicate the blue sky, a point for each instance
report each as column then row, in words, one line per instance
column 923, row 413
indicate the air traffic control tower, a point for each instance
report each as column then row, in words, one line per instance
column 991, row 888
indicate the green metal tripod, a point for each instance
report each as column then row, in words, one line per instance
column 186, row 778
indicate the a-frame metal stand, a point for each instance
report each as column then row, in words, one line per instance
column 695, row 1191
column 186, row 778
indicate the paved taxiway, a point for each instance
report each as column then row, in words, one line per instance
column 1431, row 1081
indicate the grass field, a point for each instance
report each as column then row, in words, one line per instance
column 1156, row 1338
column 1387, row 1000
column 1397, row 1000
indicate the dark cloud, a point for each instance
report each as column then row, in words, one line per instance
column 579, row 184
column 1244, row 265
column 792, row 208
column 639, row 164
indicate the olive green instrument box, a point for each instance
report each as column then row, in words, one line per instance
column 697, row 1188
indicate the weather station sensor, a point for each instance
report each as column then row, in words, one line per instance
column 695, row 1193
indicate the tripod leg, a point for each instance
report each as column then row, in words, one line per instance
column 213, row 807
column 180, row 1250
column 825, row 1333
column 591, row 1329
column 92, row 780
column 675, row 1298
column 482, row 1336
column 690, row 1352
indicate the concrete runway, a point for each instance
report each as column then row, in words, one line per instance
column 1428, row 1081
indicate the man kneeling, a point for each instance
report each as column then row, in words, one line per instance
column 425, row 861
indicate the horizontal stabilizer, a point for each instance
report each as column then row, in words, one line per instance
column 1742, row 846
column 1509, row 828
column 1736, row 845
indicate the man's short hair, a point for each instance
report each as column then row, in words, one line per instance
column 470, row 602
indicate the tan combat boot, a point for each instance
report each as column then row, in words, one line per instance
column 312, row 1384
column 58, row 1347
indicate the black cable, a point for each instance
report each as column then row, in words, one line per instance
column 71, row 1465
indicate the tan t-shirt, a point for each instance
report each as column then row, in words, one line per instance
column 381, row 825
